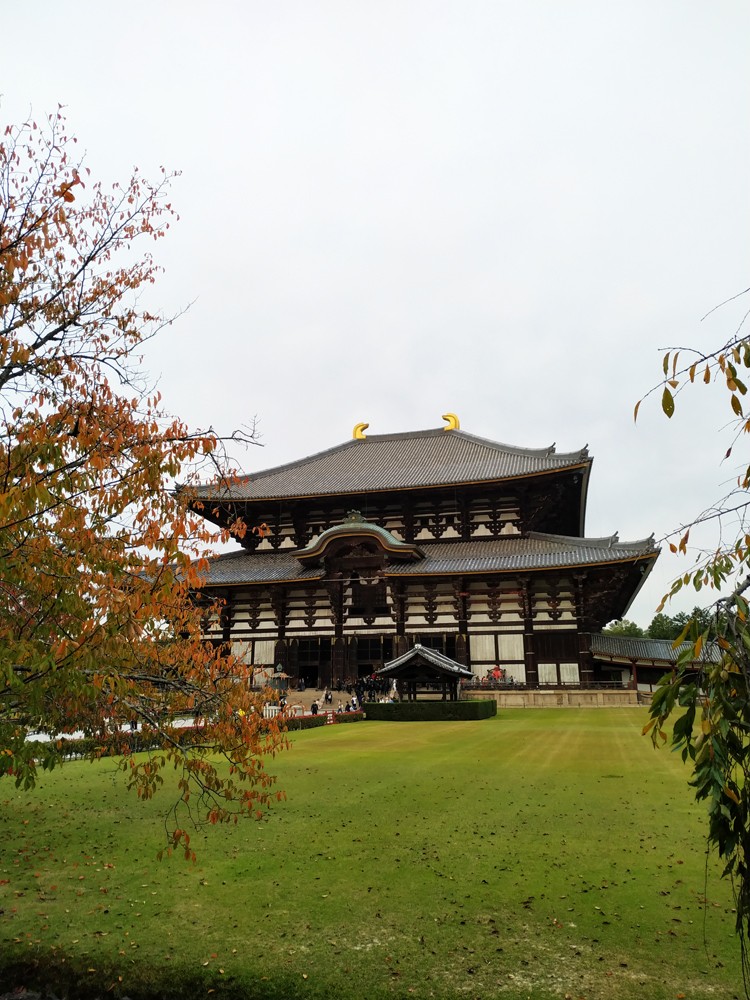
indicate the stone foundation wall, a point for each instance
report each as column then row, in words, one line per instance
column 564, row 698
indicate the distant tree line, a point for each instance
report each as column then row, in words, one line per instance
column 667, row 626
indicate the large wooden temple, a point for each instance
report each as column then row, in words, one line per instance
column 438, row 537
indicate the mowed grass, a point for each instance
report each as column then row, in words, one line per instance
column 539, row 854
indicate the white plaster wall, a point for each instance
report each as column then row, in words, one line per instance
column 510, row 647
column 263, row 651
column 242, row 650
column 482, row 647
column 569, row 673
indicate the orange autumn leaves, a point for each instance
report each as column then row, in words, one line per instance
column 100, row 556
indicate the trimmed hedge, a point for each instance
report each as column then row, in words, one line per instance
column 146, row 739
column 296, row 722
column 431, row 711
column 127, row 740
column 340, row 717
column 313, row 721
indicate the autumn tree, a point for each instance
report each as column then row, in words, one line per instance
column 99, row 556
column 710, row 705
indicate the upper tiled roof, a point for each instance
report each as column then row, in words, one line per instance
column 408, row 460
column 658, row 651
column 536, row 551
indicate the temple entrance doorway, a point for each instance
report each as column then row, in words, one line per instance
column 373, row 651
column 312, row 656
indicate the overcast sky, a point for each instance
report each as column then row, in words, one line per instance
column 393, row 209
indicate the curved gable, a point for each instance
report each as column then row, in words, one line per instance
column 357, row 533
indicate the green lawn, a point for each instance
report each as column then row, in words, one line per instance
column 538, row 854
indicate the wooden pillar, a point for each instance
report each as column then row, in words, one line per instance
column 400, row 646
column 532, row 670
column 585, row 659
column 465, row 518
column 292, row 665
column 278, row 605
column 225, row 618
column 331, row 673
column 280, row 611
column 408, row 513
column 300, row 522
column 280, row 654
column 398, row 613
column 337, row 668
column 462, row 649
column 352, row 663
column 461, row 611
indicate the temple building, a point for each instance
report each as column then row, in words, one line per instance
column 476, row 549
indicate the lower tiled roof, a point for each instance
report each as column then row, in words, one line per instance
column 620, row 648
column 536, row 551
column 257, row 567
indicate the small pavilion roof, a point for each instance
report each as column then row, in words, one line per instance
column 407, row 460
column 441, row 663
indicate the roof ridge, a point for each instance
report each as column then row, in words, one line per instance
column 604, row 541
column 546, row 452
column 516, row 449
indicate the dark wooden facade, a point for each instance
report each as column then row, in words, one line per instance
column 463, row 545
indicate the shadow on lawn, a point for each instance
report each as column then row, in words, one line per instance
column 34, row 978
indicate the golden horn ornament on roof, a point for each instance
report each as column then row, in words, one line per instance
column 454, row 424
column 359, row 432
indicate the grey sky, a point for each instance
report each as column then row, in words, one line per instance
column 390, row 210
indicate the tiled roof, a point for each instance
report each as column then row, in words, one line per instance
column 407, row 460
column 439, row 660
column 658, row 651
column 257, row 567
column 537, row 551
column 531, row 552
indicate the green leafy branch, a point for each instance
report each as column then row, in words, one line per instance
column 709, row 694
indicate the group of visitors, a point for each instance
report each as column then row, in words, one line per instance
column 496, row 677
column 352, row 705
column 372, row 688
